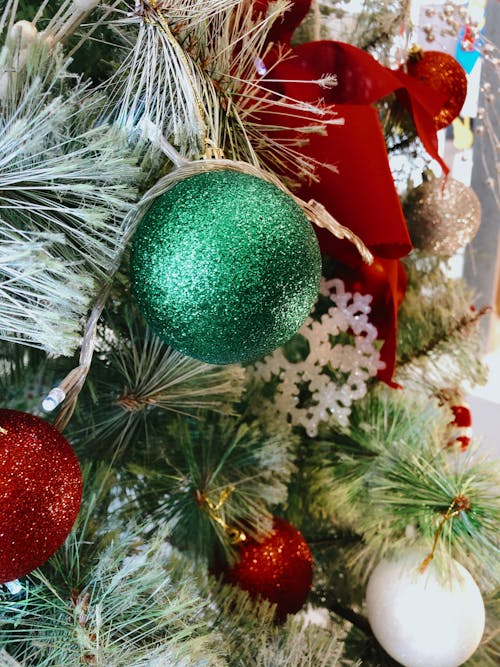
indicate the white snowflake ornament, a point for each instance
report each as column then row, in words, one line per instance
column 333, row 373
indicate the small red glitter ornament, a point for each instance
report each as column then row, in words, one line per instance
column 40, row 492
column 461, row 416
column 443, row 74
column 279, row 569
column 461, row 427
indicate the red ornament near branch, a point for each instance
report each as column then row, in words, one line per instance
column 40, row 492
column 279, row 568
column 461, row 427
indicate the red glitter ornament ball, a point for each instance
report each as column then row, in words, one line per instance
column 443, row 74
column 279, row 569
column 40, row 492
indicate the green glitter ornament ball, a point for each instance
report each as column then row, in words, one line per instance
column 225, row 267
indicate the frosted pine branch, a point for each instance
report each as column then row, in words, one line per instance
column 253, row 638
column 41, row 298
column 66, row 186
column 194, row 73
column 157, row 81
column 109, row 599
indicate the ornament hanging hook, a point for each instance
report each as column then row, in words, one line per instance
column 458, row 504
column 213, row 510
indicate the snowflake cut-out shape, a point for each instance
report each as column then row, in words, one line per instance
column 333, row 374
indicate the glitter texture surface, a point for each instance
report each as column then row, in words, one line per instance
column 279, row 569
column 441, row 220
column 225, row 267
column 442, row 73
column 40, row 492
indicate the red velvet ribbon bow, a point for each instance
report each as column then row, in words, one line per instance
column 361, row 195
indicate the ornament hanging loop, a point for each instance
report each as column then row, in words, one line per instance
column 235, row 535
column 318, row 215
column 314, row 211
column 458, row 504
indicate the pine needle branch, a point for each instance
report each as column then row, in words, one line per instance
column 30, row 271
column 218, row 460
column 66, row 187
column 158, row 82
column 254, row 638
column 67, row 19
column 135, row 377
column 391, row 470
column 190, row 73
column 463, row 327
column 160, row 377
column 438, row 339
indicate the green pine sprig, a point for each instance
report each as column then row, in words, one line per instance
column 439, row 342
column 214, row 460
column 390, row 478
column 136, row 377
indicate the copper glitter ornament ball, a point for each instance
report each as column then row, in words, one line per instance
column 40, row 492
column 443, row 215
column 443, row 74
column 278, row 569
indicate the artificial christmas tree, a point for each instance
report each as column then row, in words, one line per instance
column 164, row 166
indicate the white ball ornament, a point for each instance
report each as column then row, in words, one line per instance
column 429, row 619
